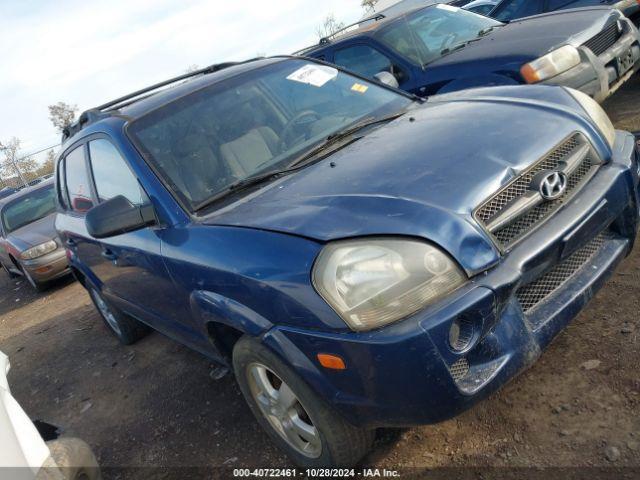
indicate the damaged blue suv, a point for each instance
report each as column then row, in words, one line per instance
column 358, row 257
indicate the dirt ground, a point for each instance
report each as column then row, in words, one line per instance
column 154, row 404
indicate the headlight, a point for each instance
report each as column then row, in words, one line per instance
column 551, row 64
column 597, row 114
column 39, row 250
column 374, row 282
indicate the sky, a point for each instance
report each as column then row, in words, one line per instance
column 86, row 52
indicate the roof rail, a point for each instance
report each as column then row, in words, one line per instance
column 327, row 39
column 375, row 18
column 102, row 111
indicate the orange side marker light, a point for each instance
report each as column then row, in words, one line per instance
column 332, row 362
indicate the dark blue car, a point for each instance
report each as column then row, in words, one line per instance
column 359, row 257
column 508, row 10
column 442, row 48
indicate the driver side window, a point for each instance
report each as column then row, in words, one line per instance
column 362, row 59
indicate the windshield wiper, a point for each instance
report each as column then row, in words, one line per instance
column 341, row 135
column 486, row 31
column 241, row 185
column 481, row 34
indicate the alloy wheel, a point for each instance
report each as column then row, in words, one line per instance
column 284, row 411
column 106, row 313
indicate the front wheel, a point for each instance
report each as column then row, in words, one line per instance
column 308, row 431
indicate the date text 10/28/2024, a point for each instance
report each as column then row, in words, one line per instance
column 315, row 473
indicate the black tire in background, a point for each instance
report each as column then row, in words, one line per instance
column 126, row 329
column 341, row 444
column 8, row 272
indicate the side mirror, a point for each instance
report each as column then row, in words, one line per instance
column 117, row 216
column 387, row 78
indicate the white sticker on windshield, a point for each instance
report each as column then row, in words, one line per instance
column 448, row 8
column 316, row 75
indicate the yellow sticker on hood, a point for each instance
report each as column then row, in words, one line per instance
column 358, row 87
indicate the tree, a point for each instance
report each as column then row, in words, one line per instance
column 47, row 166
column 14, row 166
column 62, row 115
column 368, row 5
column 329, row 26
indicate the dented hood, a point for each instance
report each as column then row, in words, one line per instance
column 421, row 175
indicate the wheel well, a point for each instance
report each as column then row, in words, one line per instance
column 223, row 337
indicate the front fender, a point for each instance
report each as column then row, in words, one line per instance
column 209, row 307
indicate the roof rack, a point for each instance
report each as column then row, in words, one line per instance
column 327, row 39
column 94, row 114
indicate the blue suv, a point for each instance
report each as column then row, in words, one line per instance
column 441, row 48
column 359, row 257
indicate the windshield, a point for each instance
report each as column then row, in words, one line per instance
column 254, row 123
column 28, row 208
column 430, row 33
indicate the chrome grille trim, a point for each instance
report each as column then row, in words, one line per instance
column 537, row 292
column 516, row 209
column 459, row 369
column 604, row 40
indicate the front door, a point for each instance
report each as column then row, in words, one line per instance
column 128, row 268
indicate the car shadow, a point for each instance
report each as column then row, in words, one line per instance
column 149, row 405
column 17, row 292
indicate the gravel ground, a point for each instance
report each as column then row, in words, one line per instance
column 154, row 404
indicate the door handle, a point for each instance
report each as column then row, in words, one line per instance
column 71, row 242
column 109, row 255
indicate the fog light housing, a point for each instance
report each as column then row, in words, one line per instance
column 462, row 334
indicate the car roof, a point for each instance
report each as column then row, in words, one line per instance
column 144, row 101
column 25, row 191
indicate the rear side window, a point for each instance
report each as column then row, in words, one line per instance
column 111, row 173
column 510, row 9
column 362, row 59
column 78, row 185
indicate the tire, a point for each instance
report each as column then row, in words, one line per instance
column 126, row 329
column 337, row 443
column 9, row 273
column 74, row 459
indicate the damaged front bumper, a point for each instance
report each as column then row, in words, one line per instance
column 599, row 76
column 408, row 373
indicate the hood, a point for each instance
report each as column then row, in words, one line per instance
column 421, row 175
column 34, row 234
column 524, row 40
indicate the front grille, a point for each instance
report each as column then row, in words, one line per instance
column 532, row 295
column 604, row 40
column 526, row 220
column 459, row 369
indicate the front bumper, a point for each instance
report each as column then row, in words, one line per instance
column 48, row 267
column 407, row 373
column 600, row 76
